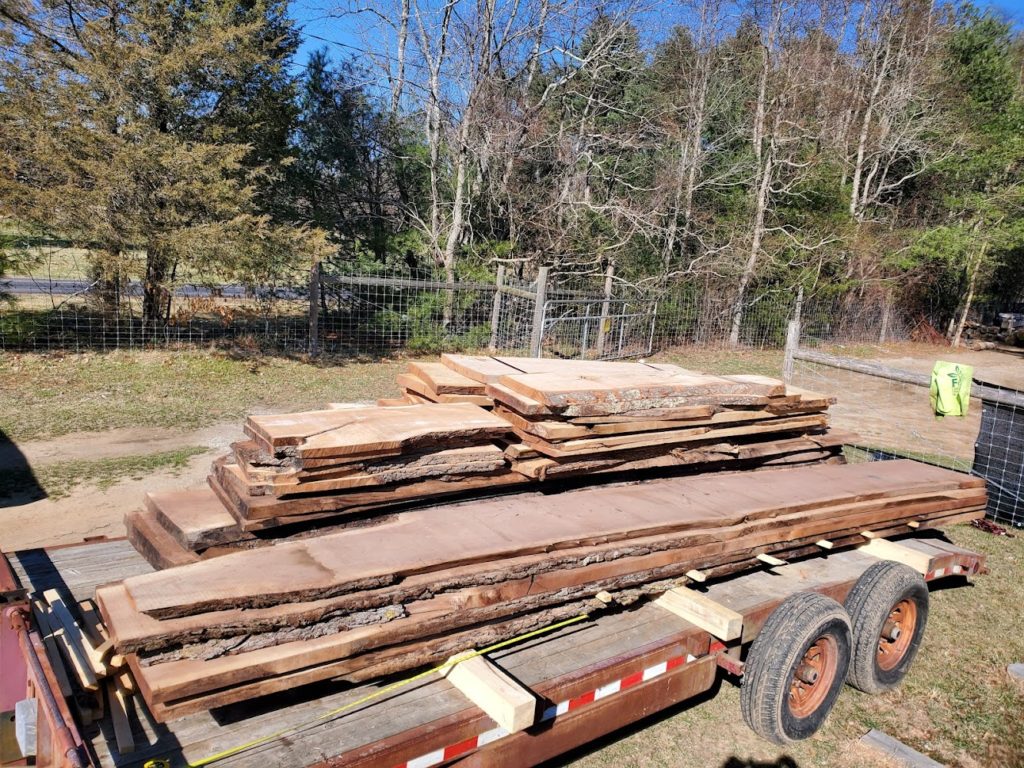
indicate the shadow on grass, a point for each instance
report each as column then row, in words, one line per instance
column 18, row 483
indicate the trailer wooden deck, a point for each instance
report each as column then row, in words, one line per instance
column 592, row 677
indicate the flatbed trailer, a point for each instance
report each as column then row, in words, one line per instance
column 590, row 678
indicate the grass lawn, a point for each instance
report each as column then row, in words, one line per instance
column 45, row 396
column 48, row 395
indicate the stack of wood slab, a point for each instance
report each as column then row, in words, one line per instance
column 575, row 417
column 362, row 603
column 545, row 420
column 437, row 382
column 332, row 465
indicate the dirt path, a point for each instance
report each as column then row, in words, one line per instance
column 130, row 441
column 89, row 511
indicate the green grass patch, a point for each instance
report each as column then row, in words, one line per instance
column 725, row 360
column 856, row 454
column 48, row 395
column 59, row 479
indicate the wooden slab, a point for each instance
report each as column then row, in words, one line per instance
column 154, row 542
column 414, row 385
column 601, row 444
column 444, row 380
column 373, row 430
column 422, row 540
column 194, row 517
column 560, row 390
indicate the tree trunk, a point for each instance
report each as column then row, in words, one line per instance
column 155, row 296
column 974, row 268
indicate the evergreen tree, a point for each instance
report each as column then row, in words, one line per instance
column 149, row 126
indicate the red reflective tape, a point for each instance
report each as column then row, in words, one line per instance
column 716, row 646
column 678, row 661
column 631, row 680
column 579, row 701
column 461, row 748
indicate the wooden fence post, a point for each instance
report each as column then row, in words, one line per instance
column 499, row 283
column 602, row 329
column 537, row 334
column 314, row 310
column 792, row 343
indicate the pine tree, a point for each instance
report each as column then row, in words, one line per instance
column 149, row 126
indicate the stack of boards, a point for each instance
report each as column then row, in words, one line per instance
column 366, row 602
column 577, row 417
column 479, row 425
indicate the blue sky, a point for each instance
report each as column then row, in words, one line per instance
column 317, row 21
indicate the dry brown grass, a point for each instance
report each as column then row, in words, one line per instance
column 957, row 705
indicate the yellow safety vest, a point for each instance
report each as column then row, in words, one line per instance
column 951, row 389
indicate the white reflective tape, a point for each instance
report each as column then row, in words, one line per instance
column 607, row 690
column 492, row 735
column 657, row 669
column 425, row 761
column 562, row 707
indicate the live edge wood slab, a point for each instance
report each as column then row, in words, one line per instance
column 373, row 601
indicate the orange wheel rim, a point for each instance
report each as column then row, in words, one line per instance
column 813, row 676
column 896, row 635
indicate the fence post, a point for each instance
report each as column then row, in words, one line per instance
column 609, row 275
column 792, row 343
column 499, row 283
column 314, row 310
column 537, row 334
column 885, row 319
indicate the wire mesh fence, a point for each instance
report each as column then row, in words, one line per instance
column 891, row 412
column 352, row 308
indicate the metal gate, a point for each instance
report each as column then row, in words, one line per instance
column 598, row 329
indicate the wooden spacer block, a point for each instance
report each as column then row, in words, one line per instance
column 117, row 702
column 504, row 700
column 914, row 524
column 764, row 557
column 891, row 550
column 869, row 534
column 696, row 575
column 604, row 597
column 825, row 544
column 696, row 608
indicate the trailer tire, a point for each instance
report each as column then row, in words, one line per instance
column 888, row 609
column 796, row 667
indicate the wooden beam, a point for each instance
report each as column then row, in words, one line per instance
column 91, row 622
column 87, row 661
column 504, row 700
column 884, row 549
column 700, row 610
column 40, row 612
column 117, row 702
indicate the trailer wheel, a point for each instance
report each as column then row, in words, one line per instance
column 796, row 668
column 888, row 609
